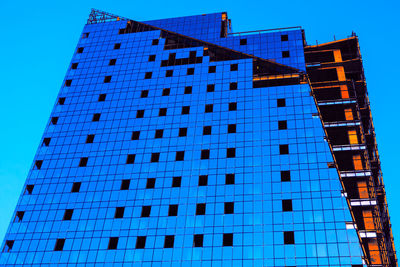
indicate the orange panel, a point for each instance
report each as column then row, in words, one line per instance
column 357, row 162
column 353, row 138
column 337, row 55
column 223, row 16
column 340, row 73
column 344, row 91
column 348, row 113
column 368, row 220
column 362, row 189
column 374, row 252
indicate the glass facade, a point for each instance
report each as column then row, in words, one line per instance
column 168, row 149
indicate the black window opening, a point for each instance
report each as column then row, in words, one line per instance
column 130, row 159
column 176, row 181
column 54, row 120
column 68, row 214
column 169, row 241
column 155, row 157
column 190, row 71
column 102, row 97
column 234, row 67
column 288, row 237
column 68, row 83
column 85, row 35
column 112, row 62
column 200, row 208
column 166, row 91
column 19, row 215
column 112, row 243
column 29, row 189
column 182, row 132
column 155, row 42
column 230, row 178
column 140, row 242
column 169, row 73
column 282, row 125
column 207, row 130
column 76, row 187
column 285, row 176
column 59, row 246
column 231, row 152
column 284, row 38
column 231, row 128
column 188, row 89
column 89, row 138
column 212, row 69
column 203, row 180
column 281, row 102
column 287, row 205
column 117, row 46
column 107, row 79
column 159, row 133
column 180, row 155
column 198, row 240
column 61, row 101
column 74, row 66
column 162, row 112
column 173, row 210
column 38, row 164
column 148, row 75
column 144, row 93
column 135, row 135
column 285, row 54
column 209, row 108
column 46, row 141
column 205, row 154
column 96, row 117
column 150, row 183
column 80, row 50
column 210, row 88
column 152, row 58
column 125, row 184
column 119, row 212
column 185, row 110
column 283, row 149
column 8, row 246
column 227, row 240
column 146, row 210
column 229, row 208
column 233, row 86
column 243, row 41
column 232, row 106
column 140, row 113
column 83, row 162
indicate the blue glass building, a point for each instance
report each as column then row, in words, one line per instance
column 177, row 142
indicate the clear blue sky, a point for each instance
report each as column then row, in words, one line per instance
column 38, row 39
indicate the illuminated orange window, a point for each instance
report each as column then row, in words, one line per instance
column 362, row 189
column 357, row 162
column 344, row 91
column 348, row 113
column 337, row 55
column 374, row 252
column 368, row 220
column 353, row 139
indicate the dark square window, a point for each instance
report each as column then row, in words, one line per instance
column 287, row 205
column 182, row 132
column 169, row 73
column 282, row 125
column 102, row 97
column 85, row 35
column 74, row 66
column 29, row 189
column 210, row 88
column 38, row 164
column 188, row 89
column 154, row 42
column 200, row 208
column 155, row 157
column 130, row 159
column 46, row 141
column 206, row 130
column 89, row 138
column 76, row 187
column 205, row 154
column 125, row 184
column 185, row 110
column 288, row 237
column 179, row 155
column 145, row 211
column 233, row 86
column 285, row 176
column 59, row 246
column 232, row 106
column 113, row 243
column 8, row 246
column 19, row 216
column 96, row 117
column 117, row 46
column 152, row 58
column 169, row 241
column 198, row 241
column 190, row 71
column 231, row 152
column 176, row 181
column 166, row 91
column 107, row 79
column 284, row 37
column 212, row 69
column 159, row 133
column 162, row 112
column 230, row 178
column 148, row 75
column 243, row 41
column 140, row 240
column 234, row 67
column 144, row 93
column 119, row 212
column 203, row 180
column 61, row 100
column 283, row 149
column 80, row 50
column 285, row 54
column 68, row 214
column 140, row 113
column 135, row 135
column 83, row 162
column 173, row 210
column 68, row 83
column 281, row 102
column 227, row 240
column 112, row 62
column 54, row 120
column 209, row 108
column 229, row 208
column 231, row 128
column 150, row 183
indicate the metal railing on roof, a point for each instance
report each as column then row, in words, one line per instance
column 262, row 31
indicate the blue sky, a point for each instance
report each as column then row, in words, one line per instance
column 39, row 37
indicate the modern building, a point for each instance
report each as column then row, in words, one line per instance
column 178, row 142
